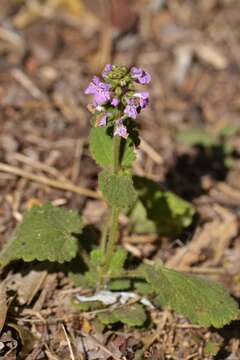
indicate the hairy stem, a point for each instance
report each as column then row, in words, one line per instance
column 105, row 231
column 113, row 235
column 116, row 154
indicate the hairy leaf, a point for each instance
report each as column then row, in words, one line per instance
column 132, row 315
column 117, row 262
column 97, row 258
column 158, row 210
column 46, row 233
column 202, row 301
column 117, row 189
column 101, row 148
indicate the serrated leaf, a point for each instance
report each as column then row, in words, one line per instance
column 131, row 315
column 101, row 148
column 46, row 233
column 117, row 189
column 204, row 302
column 159, row 211
column 117, row 262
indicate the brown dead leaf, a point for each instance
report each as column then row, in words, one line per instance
column 214, row 235
column 27, row 285
column 27, row 339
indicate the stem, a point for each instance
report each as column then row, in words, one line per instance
column 113, row 235
column 104, row 236
column 116, row 154
column 114, row 211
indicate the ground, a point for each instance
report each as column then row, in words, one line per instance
column 49, row 52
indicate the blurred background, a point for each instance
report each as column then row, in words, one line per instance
column 190, row 135
column 50, row 49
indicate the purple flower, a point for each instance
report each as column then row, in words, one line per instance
column 140, row 76
column 120, row 129
column 99, row 90
column 115, row 102
column 143, row 98
column 131, row 108
column 107, row 70
column 101, row 121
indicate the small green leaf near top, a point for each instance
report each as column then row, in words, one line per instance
column 116, row 265
column 204, row 302
column 46, row 233
column 101, row 148
column 118, row 190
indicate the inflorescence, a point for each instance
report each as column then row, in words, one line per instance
column 115, row 98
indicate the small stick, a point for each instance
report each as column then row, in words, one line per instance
column 104, row 348
column 49, row 182
column 38, row 165
column 69, row 343
column 27, row 84
column 152, row 153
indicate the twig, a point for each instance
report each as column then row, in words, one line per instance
column 22, row 78
column 49, row 182
column 104, row 348
column 69, row 343
column 140, row 239
column 194, row 269
column 39, row 165
column 152, row 153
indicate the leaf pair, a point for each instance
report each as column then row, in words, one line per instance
column 118, row 189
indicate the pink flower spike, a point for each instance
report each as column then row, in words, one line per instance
column 120, row 129
column 140, row 76
column 102, row 121
column 115, row 102
column 143, row 98
column 106, row 70
column 131, row 109
column 99, row 90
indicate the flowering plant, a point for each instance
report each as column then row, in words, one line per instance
column 48, row 233
column 115, row 99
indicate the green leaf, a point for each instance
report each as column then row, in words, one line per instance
column 211, row 348
column 117, row 189
column 202, row 301
column 143, row 288
column 117, row 263
column 101, row 148
column 132, row 315
column 198, row 137
column 46, row 233
column 97, row 257
column 86, row 306
column 159, row 211
column 119, row 284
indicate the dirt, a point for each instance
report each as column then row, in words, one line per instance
column 49, row 50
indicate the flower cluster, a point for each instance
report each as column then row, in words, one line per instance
column 115, row 98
